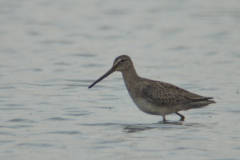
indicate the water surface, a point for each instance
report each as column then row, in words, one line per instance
column 51, row 51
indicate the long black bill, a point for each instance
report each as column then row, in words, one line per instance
column 101, row 78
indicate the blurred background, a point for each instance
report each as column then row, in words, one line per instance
column 52, row 50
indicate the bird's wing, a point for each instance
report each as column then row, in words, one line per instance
column 165, row 93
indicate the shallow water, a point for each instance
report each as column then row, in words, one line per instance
column 51, row 51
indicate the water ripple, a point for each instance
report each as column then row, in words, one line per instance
column 65, row 132
column 35, row 144
column 21, row 120
column 58, row 119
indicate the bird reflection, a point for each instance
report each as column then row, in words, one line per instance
column 137, row 127
column 160, row 125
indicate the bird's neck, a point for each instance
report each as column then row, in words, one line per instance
column 130, row 77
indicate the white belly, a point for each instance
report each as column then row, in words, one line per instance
column 153, row 108
column 147, row 107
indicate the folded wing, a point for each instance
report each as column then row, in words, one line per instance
column 165, row 93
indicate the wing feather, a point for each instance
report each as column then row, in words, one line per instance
column 165, row 93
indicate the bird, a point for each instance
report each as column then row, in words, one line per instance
column 155, row 97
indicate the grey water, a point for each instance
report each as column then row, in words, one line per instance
column 51, row 51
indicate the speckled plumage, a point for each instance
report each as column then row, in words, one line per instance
column 155, row 97
column 165, row 93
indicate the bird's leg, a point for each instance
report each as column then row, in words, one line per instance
column 164, row 119
column 182, row 117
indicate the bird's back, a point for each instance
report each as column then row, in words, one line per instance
column 171, row 95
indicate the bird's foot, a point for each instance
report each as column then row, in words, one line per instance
column 164, row 120
column 182, row 118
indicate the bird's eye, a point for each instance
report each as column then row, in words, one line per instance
column 121, row 61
